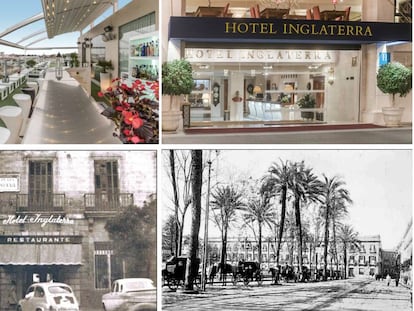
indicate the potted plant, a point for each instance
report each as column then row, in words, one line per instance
column 307, row 102
column 177, row 80
column 394, row 78
column 105, row 76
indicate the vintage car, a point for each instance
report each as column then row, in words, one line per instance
column 129, row 294
column 48, row 296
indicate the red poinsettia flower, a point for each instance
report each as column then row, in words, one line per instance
column 136, row 139
column 109, row 89
column 100, row 94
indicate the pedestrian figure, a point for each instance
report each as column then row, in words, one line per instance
column 12, row 296
column 397, row 280
column 388, row 278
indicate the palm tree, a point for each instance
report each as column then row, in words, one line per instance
column 306, row 187
column 333, row 193
column 347, row 236
column 277, row 182
column 226, row 200
column 196, row 185
column 339, row 210
column 260, row 211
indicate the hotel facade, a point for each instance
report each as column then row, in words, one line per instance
column 53, row 211
column 363, row 258
column 275, row 62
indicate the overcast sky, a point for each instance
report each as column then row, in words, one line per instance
column 379, row 181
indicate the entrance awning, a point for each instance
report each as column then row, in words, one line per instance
column 41, row 254
column 273, row 31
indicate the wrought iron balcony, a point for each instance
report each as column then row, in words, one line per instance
column 46, row 203
column 107, row 203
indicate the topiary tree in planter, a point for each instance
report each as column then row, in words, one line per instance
column 104, row 75
column 394, row 78
column 177, row 80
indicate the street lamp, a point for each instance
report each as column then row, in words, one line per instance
column 203, row 274
column 59, row 67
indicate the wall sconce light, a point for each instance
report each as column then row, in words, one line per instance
column 59, row 67
column 331, row 75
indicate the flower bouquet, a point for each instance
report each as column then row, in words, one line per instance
column 134, row 110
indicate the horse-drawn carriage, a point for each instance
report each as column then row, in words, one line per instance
column 247, row 272
column 288, row 273
column 174, row 273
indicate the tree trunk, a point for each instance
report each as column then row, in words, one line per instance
column 260, row 245
column 345, row 261
column 196, row 185
column 299, row 233
column 176, row 203
column 281, row 228
column 326, row 241
column 223, row 254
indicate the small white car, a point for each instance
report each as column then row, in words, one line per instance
column 49, row 296
column 130, row 293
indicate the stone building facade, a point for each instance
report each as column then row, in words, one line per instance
column 364, row 258
column 53, row 209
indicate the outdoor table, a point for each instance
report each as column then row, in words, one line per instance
column 274, row 13
column 211, row 11
column 293, row 16
column 34, row 85
column 24, row 102
column 331, row 15
column 4, row 135
column 30, row 91
column 12, row 117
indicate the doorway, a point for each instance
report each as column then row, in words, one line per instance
column 36, row 274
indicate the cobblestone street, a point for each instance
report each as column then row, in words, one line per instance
column 358, row 294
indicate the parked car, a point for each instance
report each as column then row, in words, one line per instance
column 131, row 294
column 48, row 296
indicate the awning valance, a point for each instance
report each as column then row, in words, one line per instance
column 41, row 254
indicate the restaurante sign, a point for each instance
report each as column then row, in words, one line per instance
column 40, row 239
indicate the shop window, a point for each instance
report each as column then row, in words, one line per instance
column 361, row 271
column 108, row 266
column 142, row 25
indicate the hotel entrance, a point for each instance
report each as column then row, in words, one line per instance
column 274, row 86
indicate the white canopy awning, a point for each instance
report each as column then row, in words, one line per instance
column 63, row 16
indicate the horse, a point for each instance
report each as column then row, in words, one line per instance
column 212, row 273
column 288, row 274
column 223, row 271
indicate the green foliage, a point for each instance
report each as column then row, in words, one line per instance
column 105, row 65
column 394, row 78
column 74, row 60
column 135, row 235
column 177, row 78
column 31, row 63
column 307, row 101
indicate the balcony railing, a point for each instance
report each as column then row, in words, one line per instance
column 54, row 202
column 97, row 203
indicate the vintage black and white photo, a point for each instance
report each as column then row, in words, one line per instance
column 286, row 229
column 77, row 230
